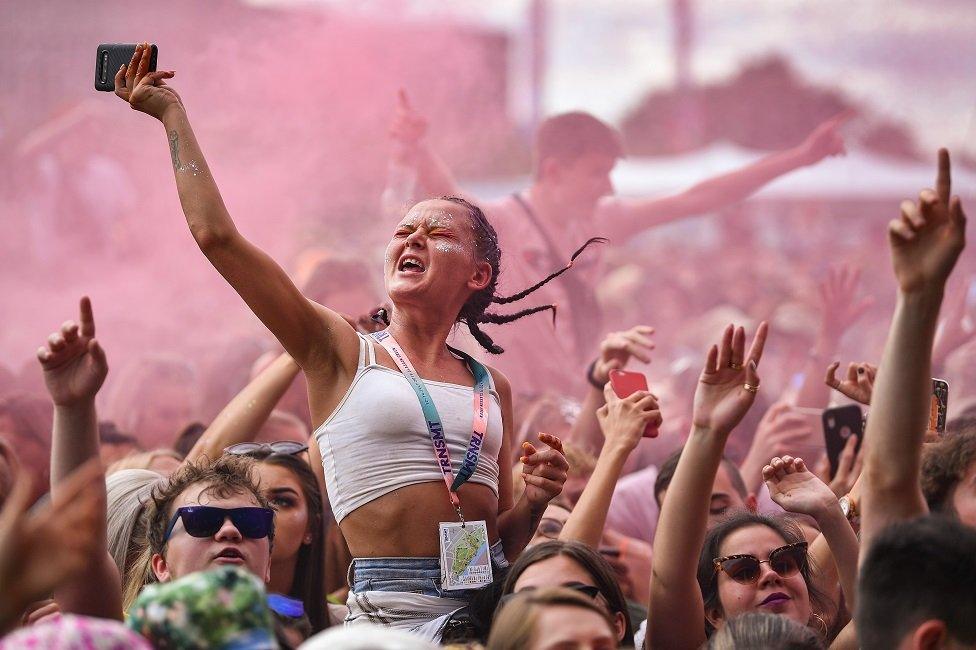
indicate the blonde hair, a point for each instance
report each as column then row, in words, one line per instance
column 127, row 492
column 515, row 625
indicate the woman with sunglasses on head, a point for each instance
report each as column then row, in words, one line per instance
column 417, row 471
column 748, row 562
column 288, row 483
column 575, row 566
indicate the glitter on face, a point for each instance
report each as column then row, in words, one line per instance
column 449, row 247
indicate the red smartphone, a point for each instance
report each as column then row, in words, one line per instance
column 625, row 384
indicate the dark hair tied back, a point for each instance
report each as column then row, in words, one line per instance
column 474, row 311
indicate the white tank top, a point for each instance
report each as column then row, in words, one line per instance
column 376, row 440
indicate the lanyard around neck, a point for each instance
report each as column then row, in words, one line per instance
column 479, row 425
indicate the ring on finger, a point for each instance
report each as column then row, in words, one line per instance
column 749, row 387
column 735, row 366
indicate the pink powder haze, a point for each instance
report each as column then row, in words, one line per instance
column 292, row 108
column 292, row 103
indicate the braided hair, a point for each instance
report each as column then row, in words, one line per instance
column 475, row 310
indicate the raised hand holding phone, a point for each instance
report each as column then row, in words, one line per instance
column 632, row 386
column 626, row 418
column 144, row 90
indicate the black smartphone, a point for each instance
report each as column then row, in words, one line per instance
column 839, row 424
column 940, row 404
column 109, row 57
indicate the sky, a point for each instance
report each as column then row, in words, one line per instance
column 909, row 60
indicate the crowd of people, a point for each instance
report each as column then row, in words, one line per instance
column 342, row 498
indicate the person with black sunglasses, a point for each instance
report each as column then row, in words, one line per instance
column 208, row 515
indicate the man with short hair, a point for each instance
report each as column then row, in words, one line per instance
column 917, row 587
column 208, row 515
column 949, row 476
column 569, row 201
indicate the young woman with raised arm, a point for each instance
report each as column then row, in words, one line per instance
column 382, row 404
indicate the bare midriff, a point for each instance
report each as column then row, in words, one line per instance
column 404, row 523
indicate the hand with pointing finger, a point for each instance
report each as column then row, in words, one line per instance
column 74, row 363
column 825, row 140
column 929, row 235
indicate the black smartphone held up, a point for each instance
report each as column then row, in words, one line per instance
column 839, row 424
column 109, row 57
column 940, row 403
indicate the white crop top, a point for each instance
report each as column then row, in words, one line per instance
column 376, row 440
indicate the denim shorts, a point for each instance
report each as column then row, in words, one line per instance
column 413, row 575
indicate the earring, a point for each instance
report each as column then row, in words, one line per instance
column 307, row 540
column 821, row 624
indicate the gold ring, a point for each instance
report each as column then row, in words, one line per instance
column 749, row 387
column 735, row 366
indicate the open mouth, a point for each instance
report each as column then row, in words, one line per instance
column 411, row 264
column 230, row 555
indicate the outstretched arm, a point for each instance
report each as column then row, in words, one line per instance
column 726, row 391
column 623, row 422
column 925, row 242
column 312, row 336
column 75, row 367
column 735, row 186
column 244, row 415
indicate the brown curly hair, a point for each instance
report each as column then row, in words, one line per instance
column 223, row 477
column 944, row 465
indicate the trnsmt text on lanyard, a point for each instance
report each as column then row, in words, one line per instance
column 465, row 558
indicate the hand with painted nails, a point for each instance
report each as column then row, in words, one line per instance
column 859, row 383
column 617, row 348
column 825, row 140
column 624, row 420
column 929, row 235
column 146, row 91
column 729, row 382
column 796, row 489
column 74, row 363
column 545, row 471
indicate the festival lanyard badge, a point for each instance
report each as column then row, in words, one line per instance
column 465, row 556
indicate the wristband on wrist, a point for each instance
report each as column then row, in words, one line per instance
column 590, row 378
